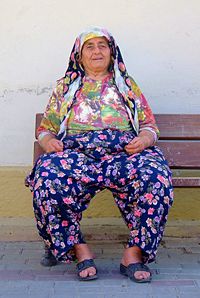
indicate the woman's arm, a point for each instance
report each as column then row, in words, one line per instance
column 148, row 130
column 50, row 144
column 145, row 115
column 50, row 124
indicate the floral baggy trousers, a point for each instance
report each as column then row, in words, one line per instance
column 63, row 184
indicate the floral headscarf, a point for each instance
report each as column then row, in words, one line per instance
column 75, row 73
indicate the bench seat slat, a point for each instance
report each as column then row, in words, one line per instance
column 186, row 181
column 183, row 154
column 179, row 141
column 174, row 154
column 177, row 181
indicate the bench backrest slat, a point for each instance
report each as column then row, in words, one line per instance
column 179, row 139
column 178, row 127
column 38, row 119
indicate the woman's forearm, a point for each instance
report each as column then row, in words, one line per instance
column 49, row 144
column 148, row 137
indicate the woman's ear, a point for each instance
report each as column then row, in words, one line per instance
column 78, row 58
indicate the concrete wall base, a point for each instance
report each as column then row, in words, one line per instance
column 107, row 229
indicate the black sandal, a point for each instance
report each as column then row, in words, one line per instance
column 85, row 265
column 48, row 259
column 134, row 267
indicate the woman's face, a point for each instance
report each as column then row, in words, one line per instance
column 96, row 55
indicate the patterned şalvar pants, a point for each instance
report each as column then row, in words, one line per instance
column 63, row 184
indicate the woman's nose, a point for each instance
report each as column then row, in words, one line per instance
column 96, row 50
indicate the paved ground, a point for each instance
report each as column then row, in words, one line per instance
column 176, row 272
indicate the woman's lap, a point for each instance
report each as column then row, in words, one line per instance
column 64, row 184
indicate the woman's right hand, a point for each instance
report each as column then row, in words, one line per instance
column 50, row 144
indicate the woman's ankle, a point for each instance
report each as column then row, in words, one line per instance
column 132, row 255
column 82, row 252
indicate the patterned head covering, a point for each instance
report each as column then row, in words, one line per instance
column 75, row 73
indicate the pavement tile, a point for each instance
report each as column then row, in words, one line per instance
column 189, row 291
column 173, row 283
column 35, row 266
column 10, row 254
column 17, row 266
column 198, row 283
column 33, row 246
column 12, row 287
column 193, row 250
column 187, row 295
column 192, row 265
column 9, row 275
column 65, row 295
column 18, row 245
column 18, row 295
column 190, row 269
column 166, row 295
column 180, row 242
column 188, row 276
column 167, row 270
column 164, row 277
column 176, row 273
column 37, row 288
column 163, row 291
column 2, row 245
column 115, row 283
column 127, row 295
column 52, row 278
column 33, row 253
column 87, row 295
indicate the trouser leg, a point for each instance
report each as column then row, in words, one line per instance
column 58, row 225
column 59, row 199
column 144, row 197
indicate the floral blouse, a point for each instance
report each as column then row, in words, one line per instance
column 98, row 105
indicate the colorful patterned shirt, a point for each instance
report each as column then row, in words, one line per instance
column 98, row 105
column 105, row 115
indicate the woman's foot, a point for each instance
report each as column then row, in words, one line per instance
column 83, row 253
column 48, row 258
column 133, row 255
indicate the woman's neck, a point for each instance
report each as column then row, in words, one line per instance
column 97, row 75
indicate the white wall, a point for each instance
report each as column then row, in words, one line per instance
column 159, row 40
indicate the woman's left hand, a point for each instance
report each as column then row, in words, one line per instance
column 143, row 140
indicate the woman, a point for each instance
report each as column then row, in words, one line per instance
column 98, row 132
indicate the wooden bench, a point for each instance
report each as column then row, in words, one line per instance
column 180, row 143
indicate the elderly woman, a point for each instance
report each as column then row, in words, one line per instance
column 99, row 132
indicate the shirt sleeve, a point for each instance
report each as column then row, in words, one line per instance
column 51, row 120
column 145, row 116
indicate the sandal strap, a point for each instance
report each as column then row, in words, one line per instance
column 134, row 267
column 85, row 265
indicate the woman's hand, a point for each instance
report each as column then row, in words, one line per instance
column 144, row 140
column 50, row 144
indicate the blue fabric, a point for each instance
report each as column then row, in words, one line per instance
column 64, row 183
